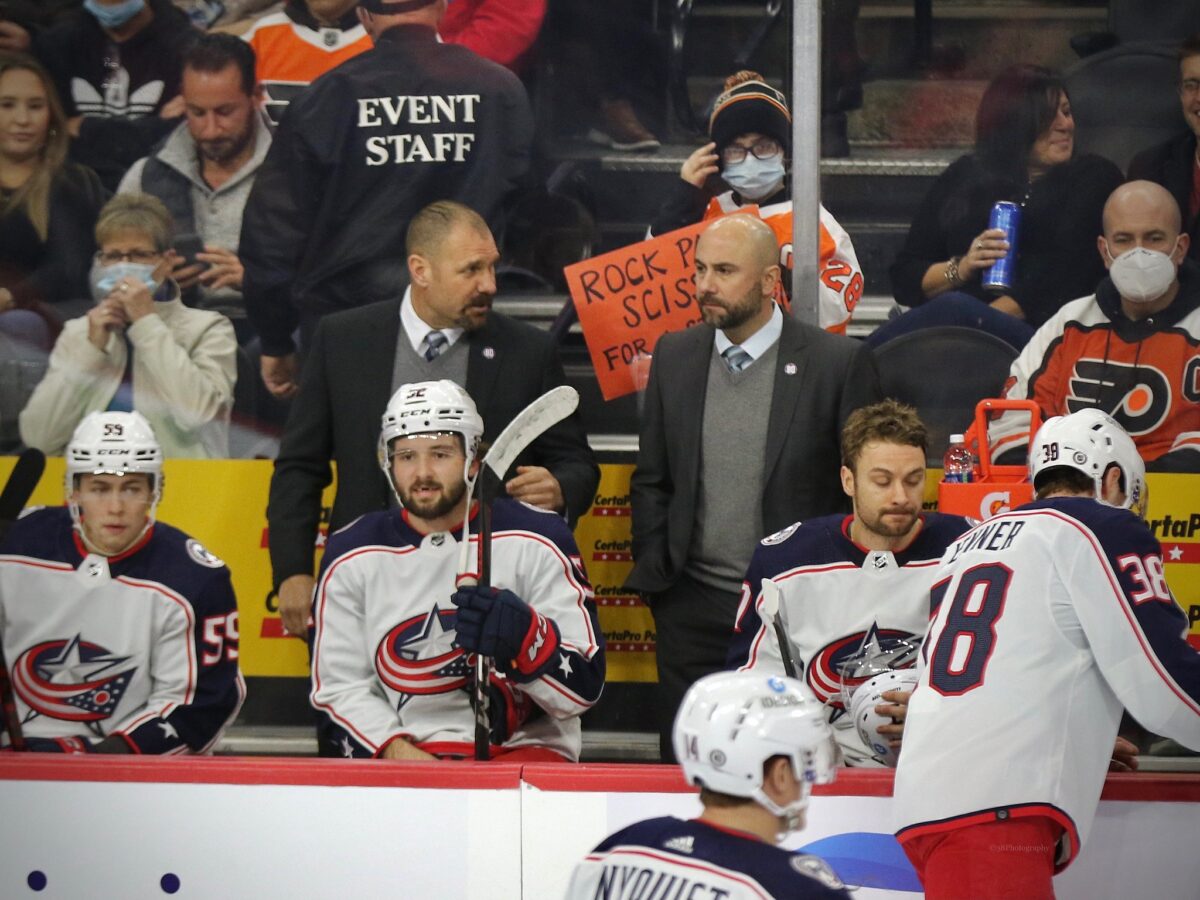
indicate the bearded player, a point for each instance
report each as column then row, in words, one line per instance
column 854, row 588
column 1062, row 600
column 754, row 744
column 392, row 652
column 121, row 632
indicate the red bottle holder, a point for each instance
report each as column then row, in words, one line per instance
column 993, row 489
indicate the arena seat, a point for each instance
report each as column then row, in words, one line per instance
column 970, row 365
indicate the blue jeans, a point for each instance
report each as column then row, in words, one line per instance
column 955, row 308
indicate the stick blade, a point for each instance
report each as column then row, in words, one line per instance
column 547, row 410
column 770, row 598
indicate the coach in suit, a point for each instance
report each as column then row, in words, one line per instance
column 739, row 438
column 442, row 328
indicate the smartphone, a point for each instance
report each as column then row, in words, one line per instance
column 187, row 246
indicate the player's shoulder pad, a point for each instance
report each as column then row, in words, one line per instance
column 817, row 869
column 942, row 529
column 174, row 546
column 38, row 532
column 377, row 528
column 658, row 832
column 802, row 543
column 515, row 515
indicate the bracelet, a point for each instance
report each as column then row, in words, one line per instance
column 952, row 277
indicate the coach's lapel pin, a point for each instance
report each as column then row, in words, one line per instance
column 489, row 353
column 789, row 369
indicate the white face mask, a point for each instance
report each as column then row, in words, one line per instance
column 755, row 178
column 1142, row 275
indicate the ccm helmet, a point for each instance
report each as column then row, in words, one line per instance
column 1090, row 441
column 430, row 407
column 113, row 443
column 731, row 723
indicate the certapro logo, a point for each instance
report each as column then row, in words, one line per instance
column 1145, row 392
column 202, row 555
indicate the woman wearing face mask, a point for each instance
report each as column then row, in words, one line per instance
column 139, row 347
column 751, row 131
column 48, row 207
column 1024, row 153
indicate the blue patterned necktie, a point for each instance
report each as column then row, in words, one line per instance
column 736, row 358
column 435, row 343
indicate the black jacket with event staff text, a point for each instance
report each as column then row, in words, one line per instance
column 359, row 152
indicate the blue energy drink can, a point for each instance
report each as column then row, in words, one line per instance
column 1007, row 217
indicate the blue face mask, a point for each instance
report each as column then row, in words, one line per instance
column 112, row 17
column 754, row 178
column 104, row 278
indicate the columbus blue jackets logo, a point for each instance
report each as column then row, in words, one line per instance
column 421, row 656
column 71, row 679
column 837, row 662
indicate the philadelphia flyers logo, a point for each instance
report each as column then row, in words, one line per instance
column 1144, row 403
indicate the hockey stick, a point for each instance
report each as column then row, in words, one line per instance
column 16, row 493
column 772, row 602
column 543, row 413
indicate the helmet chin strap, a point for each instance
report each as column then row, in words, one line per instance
column 790, row 815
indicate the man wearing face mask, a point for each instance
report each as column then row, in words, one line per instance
column 116, row 64
column 139, row 348
column 1132, row 349
column 751, row 132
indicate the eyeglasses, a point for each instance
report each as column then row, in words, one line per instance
column 112, row 257
column 1189, row 86
column 762, row 149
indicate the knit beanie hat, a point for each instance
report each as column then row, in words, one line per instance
column 749, row 104
column 394, row 7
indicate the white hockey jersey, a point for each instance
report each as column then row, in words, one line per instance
column 143, row 644
column 838, row 599
column 670, row 859
column 1050, row 620
column 386, row 662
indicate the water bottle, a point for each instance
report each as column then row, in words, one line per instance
column 203, row 13
column 958, row 463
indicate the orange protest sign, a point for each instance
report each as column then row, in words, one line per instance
column 629, row 297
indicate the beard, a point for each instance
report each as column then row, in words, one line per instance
column 436, row 507
column 731, row 314
column 899, row 522
column 222, row 150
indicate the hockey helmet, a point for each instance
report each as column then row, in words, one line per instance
column 430, row 407
column 113, row 443
column 731, row 723
column 867, row 721
column 1090, row 441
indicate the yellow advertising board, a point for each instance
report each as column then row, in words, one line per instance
column 223, row 504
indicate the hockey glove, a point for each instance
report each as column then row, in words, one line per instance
column 499, row 624
column 507, row 708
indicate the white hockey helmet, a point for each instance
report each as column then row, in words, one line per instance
column 866, row 721
column 430, row 407
column 731, row 723
column 113, row 443
column 1090, row 441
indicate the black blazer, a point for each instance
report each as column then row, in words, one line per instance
column 344, row 390
column 820, row 379
column 1171, row 164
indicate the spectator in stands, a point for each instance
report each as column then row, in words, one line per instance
column 388, row 616
column 204, row 170
column 20, row 19
column 108, row 608
column 48, row 207
column 1024, row 153
column 1130, row 349
column 500, row 30
column 1175, row 164
column 751, row 138
column 139, row 348
column 300, row 42
column 739, row 438
column 857, row 585
column 117, row 68
column 358, row 154
column 442, row 327
column 607, row 56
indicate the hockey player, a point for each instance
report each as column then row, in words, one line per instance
column 386, row 585
column 857, row 586
column 1050, row 620
column 754, row 744
column 121, row 632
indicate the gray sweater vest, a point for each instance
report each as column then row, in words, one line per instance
column 732, row 462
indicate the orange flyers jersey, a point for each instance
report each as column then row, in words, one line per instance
column 841, row 284
column 1077, row 360
column 291, row 56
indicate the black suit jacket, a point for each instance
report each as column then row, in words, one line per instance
column 820, row 379
column 343, row 393
column 1171, row 164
